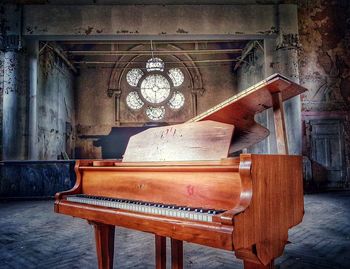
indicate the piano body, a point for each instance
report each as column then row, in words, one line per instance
column 183, row 185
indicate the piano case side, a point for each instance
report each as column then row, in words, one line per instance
column 261, row 231
column 77, row 186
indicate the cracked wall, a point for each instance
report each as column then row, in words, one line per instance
column 56, row 115
column 324, row 67
column 13, row 105
column 2, row 55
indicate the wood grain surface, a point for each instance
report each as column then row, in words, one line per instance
column 206, row 140
column 277, row 205
column 209, row 187
column 240, row 109
column 160, row 250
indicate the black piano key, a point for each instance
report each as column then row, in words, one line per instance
column 155, row 205
column 199, row 210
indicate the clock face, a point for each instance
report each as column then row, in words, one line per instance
column 155, row 88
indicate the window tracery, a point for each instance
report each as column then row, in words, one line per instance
column 157, row 88
column 133, row 76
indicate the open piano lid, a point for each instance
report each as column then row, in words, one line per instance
column 226, row 128
column 240, row 109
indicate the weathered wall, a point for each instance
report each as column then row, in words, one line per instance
column 35, row 178
column 324, row 57
column 2, row 54
column 219, row 84
column 55, row 99
column 249, row 73
column 13, row 105
column 146, row 20
column 324, row 67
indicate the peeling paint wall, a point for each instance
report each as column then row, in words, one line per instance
column 13, row 105
column 2, row 55
column 140, row 20
column 325, row 55
column 324, row 67
column 56, row 115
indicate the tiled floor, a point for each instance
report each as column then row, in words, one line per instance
column 32, row 236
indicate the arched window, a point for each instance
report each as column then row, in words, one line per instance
column 156, row 89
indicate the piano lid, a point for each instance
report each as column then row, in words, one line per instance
column 240, row 109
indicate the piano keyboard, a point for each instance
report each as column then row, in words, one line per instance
column 199, row 214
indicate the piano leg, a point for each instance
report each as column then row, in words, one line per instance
column 104, row 236
column 252, row 265
column 176, row 254
column 160, row 252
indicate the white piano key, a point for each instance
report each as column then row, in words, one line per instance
column 144, row 208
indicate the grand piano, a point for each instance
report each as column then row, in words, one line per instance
column 179, row 182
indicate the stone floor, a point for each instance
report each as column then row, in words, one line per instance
column 32, row 236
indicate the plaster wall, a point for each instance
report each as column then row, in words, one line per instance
column 324, row 68
column 13, row 105
column 2, row 55
column 140, row 20
column 249, row 73
column 219, row 84
column 55, row 102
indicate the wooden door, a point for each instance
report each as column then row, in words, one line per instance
column 327, row 146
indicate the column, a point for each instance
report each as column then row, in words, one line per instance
column 33, row 55
column 286, row 63
column 12, row 135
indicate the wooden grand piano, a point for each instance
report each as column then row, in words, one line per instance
column 178, row 182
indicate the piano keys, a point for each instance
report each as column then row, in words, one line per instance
column 176, row 211
column 244, row 204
